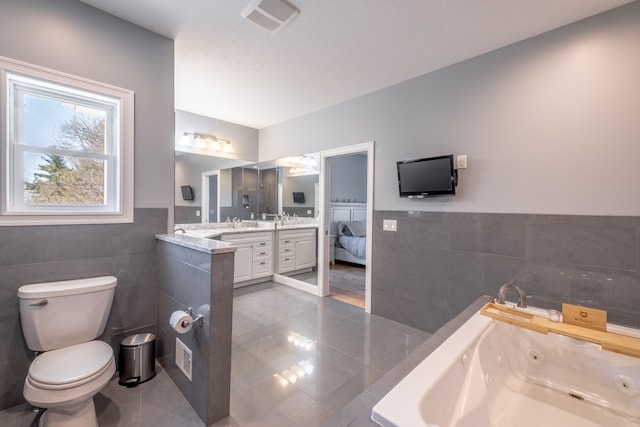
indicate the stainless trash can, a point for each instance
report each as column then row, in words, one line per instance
column 137, row 362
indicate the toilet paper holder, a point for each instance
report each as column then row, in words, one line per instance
column 197, row 320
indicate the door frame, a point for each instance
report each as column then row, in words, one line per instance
column 324, row 226
column 205, row 195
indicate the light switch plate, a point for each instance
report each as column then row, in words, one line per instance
column 390, row 225
column 461, row 161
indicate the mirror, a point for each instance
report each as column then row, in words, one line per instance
column 204, row 175
column 210, row 189
column 299, row 179
column 289, row 186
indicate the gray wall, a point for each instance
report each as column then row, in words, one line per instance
column 72, row 37
column 550, row 126
column 349, row 178
column 50, row 253
column 244, row 139
column 437, row 263
column 302, row 183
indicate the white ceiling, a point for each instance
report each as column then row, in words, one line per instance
column 335, row 50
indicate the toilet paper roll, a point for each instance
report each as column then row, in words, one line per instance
column 180, row 321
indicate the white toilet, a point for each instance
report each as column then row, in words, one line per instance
column 63, row 319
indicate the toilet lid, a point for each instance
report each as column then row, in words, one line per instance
column 71, row 366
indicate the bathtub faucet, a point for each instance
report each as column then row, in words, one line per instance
column 522, row 296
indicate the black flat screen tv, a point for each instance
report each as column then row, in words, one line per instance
column 431, row 176
column 298, row 197
column 187, row 192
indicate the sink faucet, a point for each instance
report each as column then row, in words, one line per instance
column 236, row 222
column 502, row 293
column 179, row 229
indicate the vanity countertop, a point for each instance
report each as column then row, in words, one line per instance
column 206, row 245
column 216, row 232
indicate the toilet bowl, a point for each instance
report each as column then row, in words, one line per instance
column 64, row 381
column 63, row 319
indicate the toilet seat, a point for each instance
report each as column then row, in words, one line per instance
column 71, row 366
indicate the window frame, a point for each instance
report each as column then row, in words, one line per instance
column 119, row 157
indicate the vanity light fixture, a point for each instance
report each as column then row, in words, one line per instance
column 205, row 142
column 228, row 148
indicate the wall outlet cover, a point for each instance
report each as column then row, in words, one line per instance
column 390, row 225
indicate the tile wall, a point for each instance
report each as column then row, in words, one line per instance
column 187, row 214
column 189, row 278
column 50, row 253
column 437, row 263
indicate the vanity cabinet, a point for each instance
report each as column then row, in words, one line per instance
column 296, row 249
column 254, row 255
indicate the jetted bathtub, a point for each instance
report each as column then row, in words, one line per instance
column 492, row 374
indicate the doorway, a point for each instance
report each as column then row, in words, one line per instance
column 211, row 196
column 346, row 213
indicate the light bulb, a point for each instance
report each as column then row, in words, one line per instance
column 185, row 139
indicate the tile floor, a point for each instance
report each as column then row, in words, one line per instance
column 296, row 361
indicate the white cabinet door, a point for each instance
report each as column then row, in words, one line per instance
column 254, row 255
column 305, row 253
column 243, row 264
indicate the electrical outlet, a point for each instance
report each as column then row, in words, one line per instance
column 390, row 225
column 197, row 213
column 461, row 161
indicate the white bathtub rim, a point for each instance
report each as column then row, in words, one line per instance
column 386, row 413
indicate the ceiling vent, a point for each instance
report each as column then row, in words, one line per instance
column 270, row 14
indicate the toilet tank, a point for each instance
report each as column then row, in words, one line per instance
column 60, row 314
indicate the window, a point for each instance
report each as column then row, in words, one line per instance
column 67, row 147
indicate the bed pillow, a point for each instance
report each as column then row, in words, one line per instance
column 342, row 229
column 357, row 228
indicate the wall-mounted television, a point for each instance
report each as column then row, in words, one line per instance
column 187, row 192
column 431, row 176
column 298, row 197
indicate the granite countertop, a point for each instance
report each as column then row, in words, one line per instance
column 209, row 246
column 205, row 239
column 213, row 232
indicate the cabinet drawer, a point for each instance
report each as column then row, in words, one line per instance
column 288, row 250
column 286, row 240
column 287, row 263
column 259, row 245
column 262, row 268
column 261, row 253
